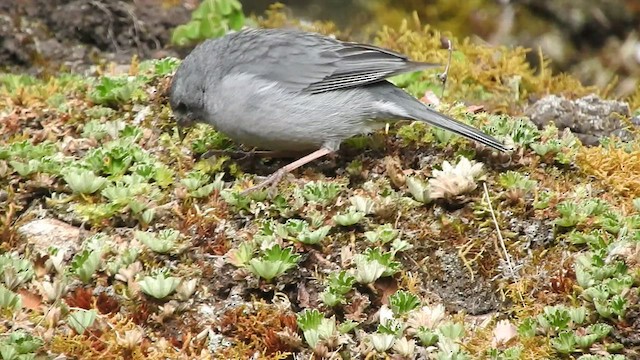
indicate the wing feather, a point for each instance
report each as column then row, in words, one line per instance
column 313, row 63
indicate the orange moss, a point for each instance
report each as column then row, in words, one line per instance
column 99, row 343
column 480, row 341
column 279, row 16
column 617, row 168
column 258, row 327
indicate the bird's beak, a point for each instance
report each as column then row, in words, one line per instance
column 184, row 121
column 182, row 132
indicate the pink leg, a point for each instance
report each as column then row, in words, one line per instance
column 275, row 178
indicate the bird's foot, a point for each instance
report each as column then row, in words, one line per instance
column 272, row 181
column 275, row 178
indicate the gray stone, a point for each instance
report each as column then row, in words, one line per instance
column 589, row 118
column 40, row 235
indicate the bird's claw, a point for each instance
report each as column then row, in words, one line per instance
column 272, row 181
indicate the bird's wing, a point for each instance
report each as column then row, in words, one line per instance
column 313, row 63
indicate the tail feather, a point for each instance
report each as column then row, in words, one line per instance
column 439, row 120
column 409, row 107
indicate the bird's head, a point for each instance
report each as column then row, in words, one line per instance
column 186, row 97
column 185, row 119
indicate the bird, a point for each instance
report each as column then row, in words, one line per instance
column 297, row 91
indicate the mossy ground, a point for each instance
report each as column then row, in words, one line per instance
column 567, row 202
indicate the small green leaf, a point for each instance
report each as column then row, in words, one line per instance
column 159, row 286
column 81, row 320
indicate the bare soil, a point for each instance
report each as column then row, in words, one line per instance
column 45, row 35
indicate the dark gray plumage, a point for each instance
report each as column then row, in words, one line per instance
column 291, row 90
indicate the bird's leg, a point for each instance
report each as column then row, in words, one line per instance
column 275, row 178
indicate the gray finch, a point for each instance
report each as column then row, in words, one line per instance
column 296, row 91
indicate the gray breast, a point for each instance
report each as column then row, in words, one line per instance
column 260, row 113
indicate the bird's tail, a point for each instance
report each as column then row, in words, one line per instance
column 420, row 112
column 437, row 119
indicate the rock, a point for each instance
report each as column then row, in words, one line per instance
column 458, row 290
column 74, row 34
column 589, row 118
column 40, row 235
column 15, row 44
